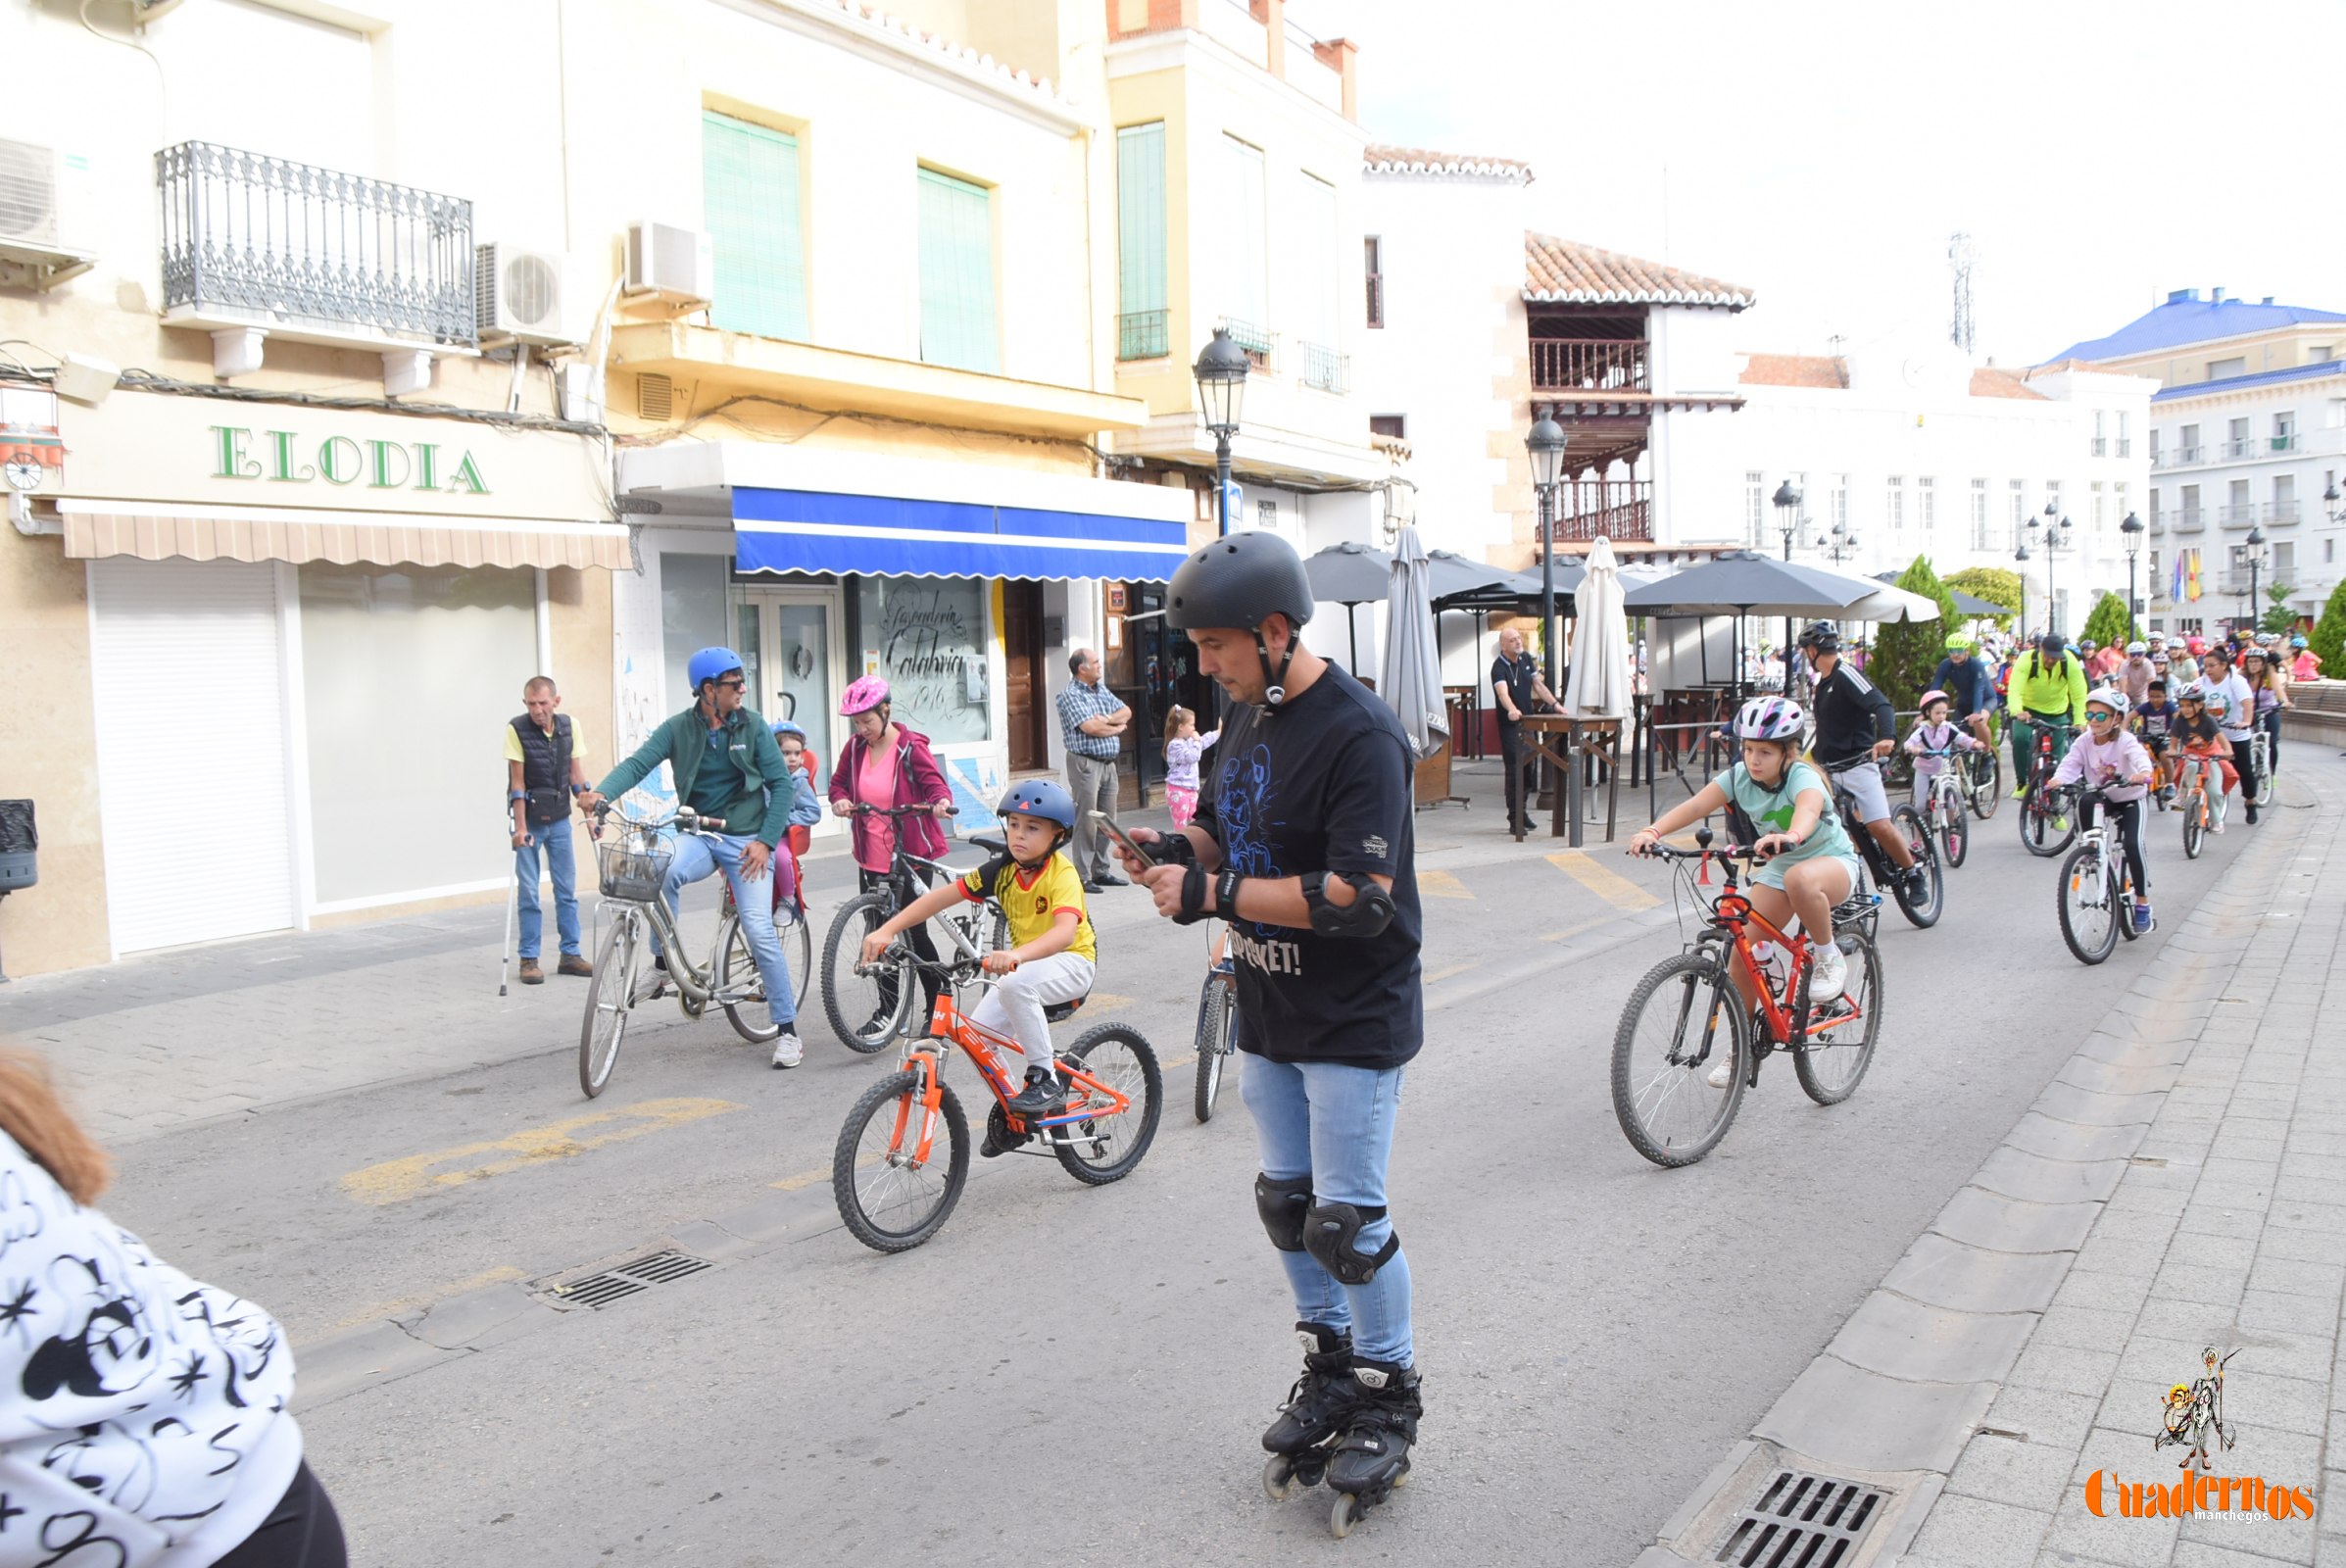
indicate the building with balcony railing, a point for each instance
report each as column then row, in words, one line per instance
column 2250, row 415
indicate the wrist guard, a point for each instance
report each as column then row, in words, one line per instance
column 1193, row 897
column 1173, row 849
column 1367, row 915
column 1226, row 888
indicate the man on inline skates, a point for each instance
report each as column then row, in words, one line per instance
column 1856, row 726
column 1303, row 842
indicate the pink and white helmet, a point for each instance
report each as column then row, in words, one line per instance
column 862, row 696
column 1770, row 719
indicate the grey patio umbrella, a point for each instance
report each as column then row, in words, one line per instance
column 1968, row 604
column 1412, row 683
column 1350, row 575
column 1743, row 582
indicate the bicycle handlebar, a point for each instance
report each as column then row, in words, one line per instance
column 922, row 809
column 688, row 821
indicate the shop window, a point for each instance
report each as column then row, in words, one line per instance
column 407, row 675
column 927, row 638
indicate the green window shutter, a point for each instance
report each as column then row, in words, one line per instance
column 750, row 205
column 956, row 275
column 1140, row 241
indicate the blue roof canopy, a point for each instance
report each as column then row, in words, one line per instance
column 2187, row 319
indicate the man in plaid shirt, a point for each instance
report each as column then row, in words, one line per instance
column 1092, row 723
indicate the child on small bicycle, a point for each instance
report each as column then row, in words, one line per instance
column 1808, row 863
column 1933, row 732
column 2199, row 738
column 1183, row 746
column 2110, row 760
column 2154, row 721
column 1053, row 946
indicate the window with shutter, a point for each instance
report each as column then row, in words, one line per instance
column 749, row 206
column 1142, row 316
column 956, row 275
column 1374, row 247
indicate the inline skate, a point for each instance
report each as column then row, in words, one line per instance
column 1316, row 1415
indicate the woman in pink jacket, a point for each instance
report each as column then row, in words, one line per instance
column 2109, row 758
column 886, row 765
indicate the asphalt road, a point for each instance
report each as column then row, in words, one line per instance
column 1082, row 1374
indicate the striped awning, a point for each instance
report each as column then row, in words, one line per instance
column 827, row 531
column 155, row 531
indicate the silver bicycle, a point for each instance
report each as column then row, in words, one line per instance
column 1944, row 809
column 2097, row 889
column 633, row 864
column 2259, row 757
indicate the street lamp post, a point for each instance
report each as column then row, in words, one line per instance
column 2132, row 529
column 2056, row 535
column 2333, row 503
column 1547, row 443
column 1787, row 501
column 2019, row 558
column 2256, row 559
column 1839, row 544
column 1221, row 372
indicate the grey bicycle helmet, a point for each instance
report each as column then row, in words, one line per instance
column 1242, row 581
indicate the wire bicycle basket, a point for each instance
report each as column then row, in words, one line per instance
column 633, row 866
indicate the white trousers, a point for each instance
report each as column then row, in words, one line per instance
column 1014, row 1004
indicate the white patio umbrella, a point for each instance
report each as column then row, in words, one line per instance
column 1600, row 674
column 1412, row 682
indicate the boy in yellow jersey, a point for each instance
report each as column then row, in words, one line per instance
column 1052, row 948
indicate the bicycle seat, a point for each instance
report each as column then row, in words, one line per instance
column 990, row 846
column 1062, row 1012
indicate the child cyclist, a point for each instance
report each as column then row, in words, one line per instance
column 1809, row 866
column 2154, row 721
column 2199, row 741
column 1934, row 733
column 1183, row 746
column 1053, row 946
column 2109, row 758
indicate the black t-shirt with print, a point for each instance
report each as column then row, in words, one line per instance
column 1516, row 675
column 1324, row 784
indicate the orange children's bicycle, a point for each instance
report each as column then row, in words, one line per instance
column 904, row 1155
column 1719, row 1001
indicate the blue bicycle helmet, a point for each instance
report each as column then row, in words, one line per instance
column 1039, row 797
column 708, row 664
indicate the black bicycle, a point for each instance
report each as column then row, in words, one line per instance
column 871, row 1007
column 1863, row 907
column 2047, row 816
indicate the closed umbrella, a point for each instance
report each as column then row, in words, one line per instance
column 1412, row 684
column 1599, row 686
column 1350, row 575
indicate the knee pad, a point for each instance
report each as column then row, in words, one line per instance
column 1332, row 1235
column 1281, row 1204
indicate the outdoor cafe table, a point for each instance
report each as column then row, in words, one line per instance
column 1563, row 740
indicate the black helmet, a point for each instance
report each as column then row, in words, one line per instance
column 1823, row 636
column 2052, row 644
column 1237, row 581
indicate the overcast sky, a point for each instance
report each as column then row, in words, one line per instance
column 1822, row 153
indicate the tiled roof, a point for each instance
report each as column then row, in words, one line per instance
column 2236, row 383
column 2182, row 322
column 960, row 55
column 1383, row 159
column 1794, row 369
column 1558, row 271
column 1989, row 383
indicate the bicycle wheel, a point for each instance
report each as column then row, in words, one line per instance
column 1681, row 1015
column 609, row 998
column 1989, row 795
column 2125, row 906
column 2195, row 822
column 2088, row 906
column 890, row 1201
column 736, row 966
column 1107, row 1148
column 1954, row 832
column 1217, row 1037
column 867, row 1010
column 1922, row 910
column 1839, row 1047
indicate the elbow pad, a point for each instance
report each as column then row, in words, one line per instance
column 1367, row 915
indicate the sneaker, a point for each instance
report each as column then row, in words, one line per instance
column 1721, row 1073
column 2142, row 919
column 2060, row 822
column 531, row 975
column 1918, row 883
column 574, row 963
column 1043, row 1096
column 2168, row 794
column 787, row 1052
column 2252, row 813
column 2217, row 827
column 1829, row 975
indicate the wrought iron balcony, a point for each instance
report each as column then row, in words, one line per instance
column 2281, row 511
column 2237, row 514
column 311, row 253
column 2101, row 446
column 1327, row 369
column 2191, row 520
column 1262, row 346
column 1143, row 335
column 1618, row 509
column 1589, row 365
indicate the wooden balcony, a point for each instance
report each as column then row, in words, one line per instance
column 1621, row 510
column 1581, row 364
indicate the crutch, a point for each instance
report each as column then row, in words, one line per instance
column 513, row 904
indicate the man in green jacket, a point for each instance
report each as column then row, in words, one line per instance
column 726, row 766
column 2048, row 691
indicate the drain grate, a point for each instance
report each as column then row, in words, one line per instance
column 1803, row 1520
column 626, row 1279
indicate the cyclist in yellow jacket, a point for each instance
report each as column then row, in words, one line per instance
column 2048, row 691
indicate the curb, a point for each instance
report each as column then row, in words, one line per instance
column 1900, row 1390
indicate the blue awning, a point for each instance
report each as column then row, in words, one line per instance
column 813, row 530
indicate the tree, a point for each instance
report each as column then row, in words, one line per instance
column 2108, row 623
column 2328, row 637
column 2278, row 617
column 1906, row 652
column 1993, row 584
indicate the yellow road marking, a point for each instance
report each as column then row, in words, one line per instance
column 1571, row 931
column 1455, row 968
column 1441, row 885
column 1609, row 885
column 407, row 1304
column 397, row 1180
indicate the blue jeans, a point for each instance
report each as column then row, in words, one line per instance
column 555, row 839
column 695, row 858
column 1333, row 1123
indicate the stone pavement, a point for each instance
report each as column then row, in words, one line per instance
column 2178, row 1186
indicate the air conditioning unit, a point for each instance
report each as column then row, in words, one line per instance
column 667, row 263
column 33, row 252
column 517, row 295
